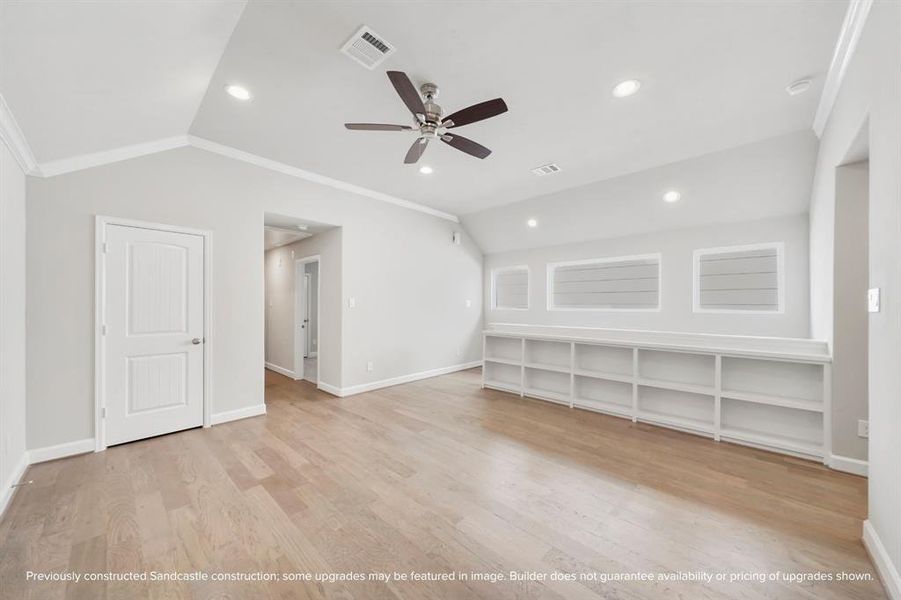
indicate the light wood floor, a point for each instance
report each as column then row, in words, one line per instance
column 438, row 476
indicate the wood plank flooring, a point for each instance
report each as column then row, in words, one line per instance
column 434, row 476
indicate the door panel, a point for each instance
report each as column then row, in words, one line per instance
column 154, row 345
column 156, row 382
column 157, row 288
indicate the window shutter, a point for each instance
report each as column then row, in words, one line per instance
column 511, row 288
column 628, row 283
column 739, row 279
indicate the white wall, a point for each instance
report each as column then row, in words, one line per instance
column 757, row 181
column 280, row 276
column 676, row 248
column 12, row 322
column 850, row 329
column 871, row 91
column 409, row 281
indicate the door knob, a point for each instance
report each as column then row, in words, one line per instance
column 196, row 341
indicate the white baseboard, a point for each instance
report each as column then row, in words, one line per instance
column 375, row 385
column 281, row 370
column 39, row 455
column 855, row 466
column 6, row 494
column 241, row 413
column 334, row 390
column 887, row 571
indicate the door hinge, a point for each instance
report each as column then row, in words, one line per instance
column 104, row 247
column 103, row 329
column 103, row 413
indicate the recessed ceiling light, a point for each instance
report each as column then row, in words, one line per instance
column 532, row 223
column 236, row 91
column 671, row 196
column 426, row 170
column 798, row 87
column 626, row 88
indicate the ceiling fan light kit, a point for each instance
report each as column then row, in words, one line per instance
column 429, row 120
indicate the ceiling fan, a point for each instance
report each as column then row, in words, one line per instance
column 430, row 122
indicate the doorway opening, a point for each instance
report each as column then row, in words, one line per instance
column 294, row 254
column 306, row 318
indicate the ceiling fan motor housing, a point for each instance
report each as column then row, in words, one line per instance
column 433, row 112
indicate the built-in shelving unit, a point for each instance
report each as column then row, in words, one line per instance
column 765, row 392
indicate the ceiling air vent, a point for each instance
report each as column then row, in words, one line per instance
column 547, row 169
column 367, row 48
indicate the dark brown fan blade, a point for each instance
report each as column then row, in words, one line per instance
column 407, row 91
column 465, row 145
column 477, row 112
column 377, row 127
column 416, row 150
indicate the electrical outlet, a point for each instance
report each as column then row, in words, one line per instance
column 351, row 302
column 468, row 303
column 863, row 429
column 369, row 366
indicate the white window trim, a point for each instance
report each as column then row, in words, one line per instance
column 780, row 278
column 591, row 261
column 499, row 270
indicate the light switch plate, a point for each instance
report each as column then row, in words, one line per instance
column 351, row 302
column 863, row 428
column 873, row 300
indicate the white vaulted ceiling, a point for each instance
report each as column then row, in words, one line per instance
column 85, row 77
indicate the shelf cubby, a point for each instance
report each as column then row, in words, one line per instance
column 661, row 368
column 502, row 376
column 603, row 361
column 773, row 426
column 549, row 353
column 550, row 385
column 772, row 381
column 603, row 395
column 503, row 349
column 676, row 407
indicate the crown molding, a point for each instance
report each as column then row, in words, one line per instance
column 15, row 140
column 96, row 159
column 852, row 29
column 272, row 165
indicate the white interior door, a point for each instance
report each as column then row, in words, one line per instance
column 300, row 318
column 154, row 346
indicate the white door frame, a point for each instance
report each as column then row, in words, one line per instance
column 100, row 225
column 307, row 282
column 298, row 283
